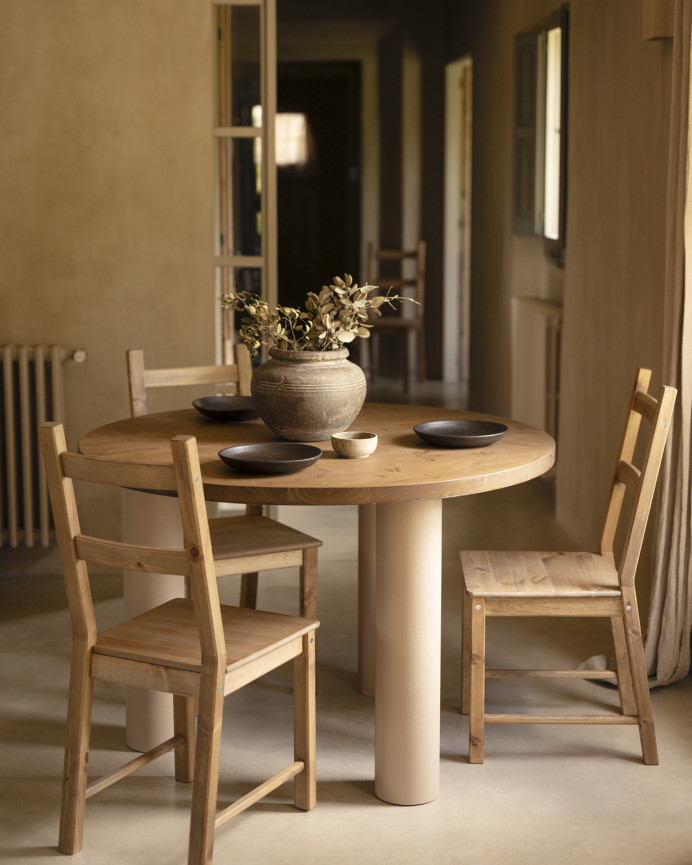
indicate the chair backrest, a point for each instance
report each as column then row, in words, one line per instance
column 641, row 482
column 140, row 379
column 195, row 561
column 413, row 282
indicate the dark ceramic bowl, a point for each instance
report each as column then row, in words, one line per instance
column 228, row 408
column 461, row 433
column 271, row 458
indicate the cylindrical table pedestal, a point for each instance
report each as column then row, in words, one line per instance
column 407, row 652
column 153, row 521
column 367, row 565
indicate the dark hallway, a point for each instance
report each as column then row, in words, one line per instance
column 319, row 202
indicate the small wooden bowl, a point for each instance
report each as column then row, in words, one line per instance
column 354, row 445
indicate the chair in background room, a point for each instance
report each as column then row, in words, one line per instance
column 196, row 649
column 574, row 584
column 407, row 321
column 244, row 544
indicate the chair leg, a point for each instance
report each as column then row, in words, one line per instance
column 304, row 723
column 477, row 683
column 206, row 772
column 465, row 651
column 308, row 584
column 642, row 697
column 248, row 591
column 184, row 725
column 76, row 752
column 622, row 661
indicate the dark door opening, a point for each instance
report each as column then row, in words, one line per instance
column 319, row 201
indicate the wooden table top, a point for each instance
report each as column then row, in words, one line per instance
column 403, row 468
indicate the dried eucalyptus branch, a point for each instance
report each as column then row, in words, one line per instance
column 337, row 315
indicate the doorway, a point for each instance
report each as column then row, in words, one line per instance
column 457, row 218
column 319, row 192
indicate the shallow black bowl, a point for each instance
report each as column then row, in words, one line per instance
column 461, row 433
column 270, row 458
column 226, row 407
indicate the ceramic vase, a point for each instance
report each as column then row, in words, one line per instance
column 306, row 396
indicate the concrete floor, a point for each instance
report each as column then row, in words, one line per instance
column 544, row 795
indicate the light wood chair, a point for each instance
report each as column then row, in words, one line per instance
column 244, row 544
column 574, row 584
column 196, row 649
column 397, row 322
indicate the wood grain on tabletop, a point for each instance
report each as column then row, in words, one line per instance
column 403, row 468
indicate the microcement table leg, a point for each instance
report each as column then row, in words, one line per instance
column 152, row 520
column 367, row 515
column 407, row 652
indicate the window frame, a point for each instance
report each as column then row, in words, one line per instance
column 226, row 261
column 531, row 86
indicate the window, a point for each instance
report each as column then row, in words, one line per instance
column 553, row 135
column 292, row 140
column 540, row 182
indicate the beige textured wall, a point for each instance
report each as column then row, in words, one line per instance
column 612, row 285
column 614, row 281
column 503, row 265
column 106, row 172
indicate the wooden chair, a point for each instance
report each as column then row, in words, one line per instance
column 574, row 584
column 196, row 649
column 243, row 544
column 396, row 322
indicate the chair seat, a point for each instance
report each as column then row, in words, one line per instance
column 235, row 537
column 507, row 574
column 168, row 635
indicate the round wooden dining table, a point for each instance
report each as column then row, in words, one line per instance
column 399, row 490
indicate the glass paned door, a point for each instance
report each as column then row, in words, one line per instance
column 246, row 233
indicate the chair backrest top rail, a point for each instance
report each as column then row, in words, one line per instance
column 128, row 475
column 140, row 378
column 191, row 375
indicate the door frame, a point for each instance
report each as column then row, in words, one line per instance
column 457, row 218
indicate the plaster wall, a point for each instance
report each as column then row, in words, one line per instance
column 503, row 265
column 612, row 284
column 106, row 171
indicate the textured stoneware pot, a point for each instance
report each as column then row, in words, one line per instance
column 306, row 396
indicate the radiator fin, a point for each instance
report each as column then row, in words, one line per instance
column 32, row 392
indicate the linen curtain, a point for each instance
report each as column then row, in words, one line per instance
column 667, row 643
